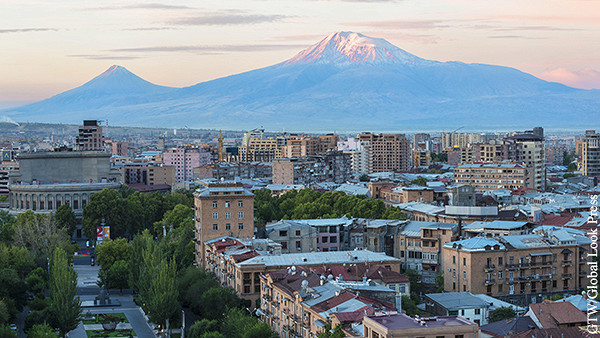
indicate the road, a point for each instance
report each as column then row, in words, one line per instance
column 87, row 277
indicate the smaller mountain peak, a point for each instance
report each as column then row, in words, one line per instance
column 352, row 47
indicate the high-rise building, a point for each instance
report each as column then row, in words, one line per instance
column 493, row 176
column 529, row 149
column 335, row 166
column 480, row 152
column 185, row 159
column 90, row 136
column 299, row 145
column 590, row 154
column 421, row 158
column 387, row 152
column 258, row 148
column 222, row 209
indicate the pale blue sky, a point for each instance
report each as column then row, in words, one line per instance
column 52, row 46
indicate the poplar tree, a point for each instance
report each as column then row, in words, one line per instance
column 65, row 307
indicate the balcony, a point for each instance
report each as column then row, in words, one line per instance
column 489, row 268
column 566, row 263
column 524, row 265
column 490, row 282
column 567, row 276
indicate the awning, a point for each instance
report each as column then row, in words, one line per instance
column 541, row 254
column 567, row 251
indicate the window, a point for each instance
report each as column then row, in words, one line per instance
column 227, row 215
column 240, row 204
column 227, row 226
column 298, row 245
column 297, row 232
column 477, row 311
column 464, row 275
column 215, row 227
column 453, row 285
column 453, row 259
column 241, row 215
column 332, row 239
column 241, row 226
column 453, row 272
column 324, row 239
column 215, row 215
column 500, row 288
column 464, row 288
column 499, row 260
column 284, row 245
column 464, row 261
column 283, row 233
column 500, row 275
column 227, row 204
column 214, row 204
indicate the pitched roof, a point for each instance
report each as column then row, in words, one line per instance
column 551, row 314
column 509, row 326
column 457, row 300
column 562, row 332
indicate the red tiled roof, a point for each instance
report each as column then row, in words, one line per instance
column 552, row 314
column 356, row 316
column 327, row 304
column 556, row 220
column 244, row 256
column 356, row 273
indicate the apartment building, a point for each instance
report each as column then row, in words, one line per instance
column 480, row 152
column 294, row 237
column 185, row 159
column 234, row 170
column 399, row 325
column 387, row 152
column 419, row 247
column 462, row 304
column 528, row 149
column 407, row 194
column 147, row 174
column 240, row 266
column 421, row 158
column 518, row 268
column 590, row 154
column 299, row 303
column 257, row 148
column 300, row 145
column 334, row 167
column 222, row 209
column 90, row 136
column 494, row 176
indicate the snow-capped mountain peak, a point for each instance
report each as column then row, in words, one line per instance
column 350, row 47
column 115, row 69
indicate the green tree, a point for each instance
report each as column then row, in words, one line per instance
column 555, row 297
column 137, row 275
column 415, row 280
column 4, row 313
column 41, row 234
column 419, row 181
column 6, row 227
column 65, row 307
column 203, row 326
column 239, row 323
column 216, row 301
column 42, row 331
column 439, row 283
column 162, row 300
column 213, row 334
column 329, row 333
column 364, row 178
column 502, row 313
column 111, row 251
column 117, row 277
column 572, row 167
column 110, row 206
column 12, row 291
column 7, row 332
column 65, row 217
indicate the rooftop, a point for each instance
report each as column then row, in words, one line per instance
column 314, row 258
column 458, row 300
column 402, row 321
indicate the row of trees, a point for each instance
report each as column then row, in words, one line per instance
column 129, row 212
column 35, row 254
column 310, row 204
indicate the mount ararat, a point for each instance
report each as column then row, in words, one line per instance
column 346, row 82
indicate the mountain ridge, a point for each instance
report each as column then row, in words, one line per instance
column 345, row 80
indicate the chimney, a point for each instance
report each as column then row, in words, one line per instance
column 399, row 303
column 459, row 228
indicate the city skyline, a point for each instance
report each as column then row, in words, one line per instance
column 55, row 47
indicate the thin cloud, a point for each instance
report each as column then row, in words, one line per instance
column 150, row 28
column 141, row 6
column 583, row 78
column 400, row 24
column 226, row 19
column 25, row 30
column 209, row 49
column 103, row 57
column 514, row 37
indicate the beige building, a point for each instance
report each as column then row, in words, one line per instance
column 294, row 237
column 90, row 136
column 222, row 209
column 400, row 325
column 518, row 268
column 148, row 174
column 387, row 152
column 480, row 152
column 407, row 194
column 421, row 158
column 299, row 145
column 494, row 176
column 590, row 154
column 528, row 149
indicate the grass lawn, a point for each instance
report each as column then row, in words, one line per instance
column 99, row 317
column 115, row 333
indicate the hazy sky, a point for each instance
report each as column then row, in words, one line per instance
column 49, row 46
